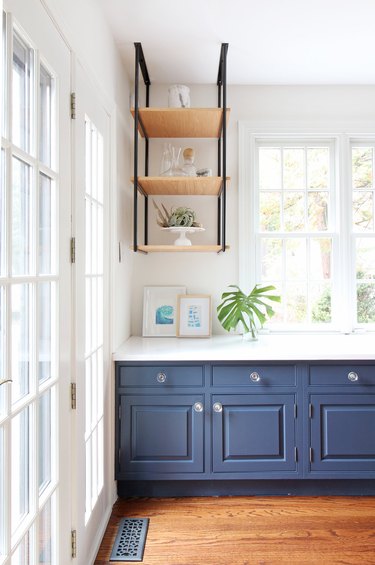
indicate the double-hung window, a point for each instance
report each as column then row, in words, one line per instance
column 307, row 227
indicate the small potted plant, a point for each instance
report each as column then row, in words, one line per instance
column 249, row 310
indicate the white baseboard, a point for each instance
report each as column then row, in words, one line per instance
column 99, row 536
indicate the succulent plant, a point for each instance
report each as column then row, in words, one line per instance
column 183, row 217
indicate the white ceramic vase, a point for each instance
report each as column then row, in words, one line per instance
column 179, row 96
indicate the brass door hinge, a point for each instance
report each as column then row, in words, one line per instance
column 72, row 105
column 74, row 543
column 73, row 396
column 73, row 250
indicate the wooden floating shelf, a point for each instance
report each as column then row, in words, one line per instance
column 181, row 122
column 180, row 249
column 192, row 186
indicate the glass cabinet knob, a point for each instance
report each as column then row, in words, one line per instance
column 161, row 377
column 255, row 377
column 353, row 376
column 217, row 407
column 198, row 407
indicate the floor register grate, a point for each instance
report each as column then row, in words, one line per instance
column 130, row 540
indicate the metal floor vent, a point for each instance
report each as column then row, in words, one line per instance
column 130, row 540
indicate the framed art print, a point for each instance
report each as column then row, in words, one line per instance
column 160, row 310
column 194, row 315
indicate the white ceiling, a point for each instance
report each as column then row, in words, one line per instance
column 270, row 41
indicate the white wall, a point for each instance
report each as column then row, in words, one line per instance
column 344, row 108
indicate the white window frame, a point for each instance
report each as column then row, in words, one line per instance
column 343, row 238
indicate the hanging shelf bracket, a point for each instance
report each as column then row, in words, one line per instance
column 140, row 64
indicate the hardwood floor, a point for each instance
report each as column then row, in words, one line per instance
column 251, row 530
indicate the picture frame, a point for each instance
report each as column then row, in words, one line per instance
column 160, row 310
column 194, row 316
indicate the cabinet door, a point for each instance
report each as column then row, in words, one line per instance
column 253, row 433
column 343, row 432
column 161, row 434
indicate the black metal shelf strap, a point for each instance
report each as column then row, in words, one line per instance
column 140, row 62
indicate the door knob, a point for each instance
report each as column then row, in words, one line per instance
column 3, row 381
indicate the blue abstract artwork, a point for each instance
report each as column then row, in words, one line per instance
column 194, row 316
column 164, row 315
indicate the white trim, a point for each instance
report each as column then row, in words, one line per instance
column 99, row 534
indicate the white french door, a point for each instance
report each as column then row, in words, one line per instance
column 92, row 355
column 35, row 289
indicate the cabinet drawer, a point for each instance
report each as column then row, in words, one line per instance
column 349, row 375
column 254, row 375
column 160, row 376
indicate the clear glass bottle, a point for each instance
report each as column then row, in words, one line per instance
column 188, row 167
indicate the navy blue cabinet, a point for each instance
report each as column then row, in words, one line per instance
column 160, row 425
column 214, row 422
column 342, row 432
column 253, row 433
column 181, row 421
column 342, row 420
column 160, row 434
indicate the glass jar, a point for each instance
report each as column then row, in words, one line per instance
column 188, row 167
column 175, row 169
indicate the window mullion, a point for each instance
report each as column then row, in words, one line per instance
column 306, row 192
column 346, row 243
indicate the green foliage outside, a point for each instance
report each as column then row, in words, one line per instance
column 321, row 312
column 365, row 305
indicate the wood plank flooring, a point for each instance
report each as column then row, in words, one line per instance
column 251, row 530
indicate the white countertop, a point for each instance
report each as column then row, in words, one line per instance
column 293, row 347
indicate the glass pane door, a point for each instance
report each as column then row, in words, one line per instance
column 94, row 275
column 32, row 285
column 92, row 319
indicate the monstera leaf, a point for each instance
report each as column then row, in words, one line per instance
column 250, row 310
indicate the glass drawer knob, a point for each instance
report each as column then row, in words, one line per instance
column 161, row 377
column 217, row 407
column 198, row 407
column 255, row 377
column 353, row 376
